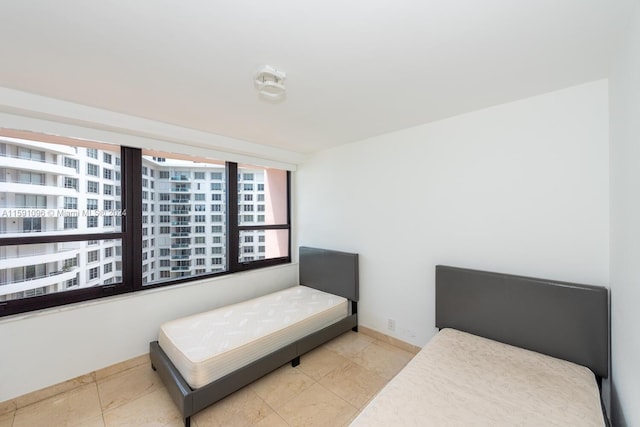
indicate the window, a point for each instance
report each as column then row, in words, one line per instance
column 31, row 224
column 71, row 203
column 92, row 187
column 70, row 222
column 92, row 256
column 71, row 183
column 119, row 253
column 33, row 178
column 30, row 201
column 93, row 170
column 271, row 231
column 71, row 163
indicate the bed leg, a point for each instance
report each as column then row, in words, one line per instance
column 153, row 367
column 187, row 422
column 354, row 329
column 295, row 362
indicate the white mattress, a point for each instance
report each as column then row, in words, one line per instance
column 207, row 346
column 459, row 379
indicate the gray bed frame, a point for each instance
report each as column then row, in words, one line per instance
column 330, row 271
column 564, row 320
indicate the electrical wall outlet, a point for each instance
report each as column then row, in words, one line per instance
column 391, row 324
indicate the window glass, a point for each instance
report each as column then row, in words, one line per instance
column 181, row 238
column 51, row 201
column 47, row 268
column 266, row 193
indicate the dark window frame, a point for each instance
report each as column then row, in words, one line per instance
column 131, row 237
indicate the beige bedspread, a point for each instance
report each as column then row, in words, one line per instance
column 459, row 379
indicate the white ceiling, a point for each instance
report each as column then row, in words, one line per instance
column 355, row 69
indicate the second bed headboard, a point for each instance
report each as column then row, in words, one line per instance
column 565, row 320
column 330, row 271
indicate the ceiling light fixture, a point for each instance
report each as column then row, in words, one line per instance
column 270, row 83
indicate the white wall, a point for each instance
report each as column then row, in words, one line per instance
column 625, row 227
column 41, row 349
column 519, row 188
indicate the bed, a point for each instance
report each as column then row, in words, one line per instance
column 205, row 357
column 511, row 350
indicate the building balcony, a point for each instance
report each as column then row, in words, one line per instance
column 180, row 268
column 36, row 257
column 180, row 178
column 180, row 223
column 180, row 245
column 180, row 257
column 45, row 190
column 184, row 234
column 20, row 163
column 45, row 146
column 38, row 282
column 181, row 212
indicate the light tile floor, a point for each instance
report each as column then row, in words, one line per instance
column 329, row 388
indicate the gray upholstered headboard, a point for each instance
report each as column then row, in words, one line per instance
column 330, row 271
column 564, row 320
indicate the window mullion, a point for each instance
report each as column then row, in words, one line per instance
column 233, row 234
column 132, row 221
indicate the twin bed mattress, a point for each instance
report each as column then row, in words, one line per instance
column 207, row 346
column 460, row 379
